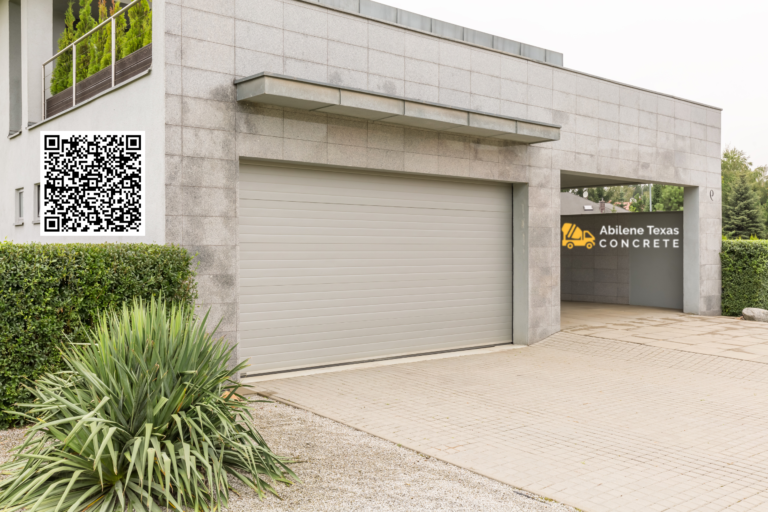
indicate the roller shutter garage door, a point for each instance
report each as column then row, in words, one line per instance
column 341, row 266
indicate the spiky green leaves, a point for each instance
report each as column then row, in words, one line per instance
column 147, row 416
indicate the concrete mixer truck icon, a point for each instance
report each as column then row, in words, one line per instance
column 573, row 236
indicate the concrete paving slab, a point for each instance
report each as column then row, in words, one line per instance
column 596, row 423
column 722, row 336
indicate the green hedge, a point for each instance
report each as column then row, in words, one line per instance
column 49, row 293
column 745, row 275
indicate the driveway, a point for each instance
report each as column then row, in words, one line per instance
column 715, row 335
column 597, row 423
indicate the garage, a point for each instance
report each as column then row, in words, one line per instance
column 338, row 266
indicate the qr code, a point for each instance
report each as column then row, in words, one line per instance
column 92, row 183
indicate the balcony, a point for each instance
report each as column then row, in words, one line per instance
column 115, row 50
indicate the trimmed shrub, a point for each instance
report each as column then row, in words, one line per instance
column 52, row 293
column 147, row 416
column 745, row 275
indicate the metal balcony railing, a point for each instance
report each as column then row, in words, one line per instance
column 104, row 79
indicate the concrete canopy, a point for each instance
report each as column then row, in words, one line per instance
column 571, row 179
column 305, row 95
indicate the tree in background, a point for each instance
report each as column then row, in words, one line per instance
column 742, row 217
column 594, row 194
column 667, row 198
column 62, row 71
column 639, row 199
column 734, row 164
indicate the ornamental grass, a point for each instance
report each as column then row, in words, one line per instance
column 145, row 416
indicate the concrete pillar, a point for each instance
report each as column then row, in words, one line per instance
column 36, row 44
column 702, row 238
column 536, row 254
column 520, row 268
column 691, row 252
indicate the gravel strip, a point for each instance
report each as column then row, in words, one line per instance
column 10, row 439
column 345, row 469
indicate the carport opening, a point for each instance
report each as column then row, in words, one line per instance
column 621, row 244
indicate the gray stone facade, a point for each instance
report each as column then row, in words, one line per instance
column 607, row 129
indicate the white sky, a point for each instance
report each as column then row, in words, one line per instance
column 712, row 53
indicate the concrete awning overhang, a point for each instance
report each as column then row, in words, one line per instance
column 305, row 95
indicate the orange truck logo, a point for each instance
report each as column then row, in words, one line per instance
column 573, row 236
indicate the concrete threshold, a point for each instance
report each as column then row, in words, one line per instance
column 376, row 364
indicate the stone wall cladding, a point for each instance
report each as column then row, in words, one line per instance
column 606, row 129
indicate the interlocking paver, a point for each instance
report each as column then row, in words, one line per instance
column 724, row 336
column 597, row 423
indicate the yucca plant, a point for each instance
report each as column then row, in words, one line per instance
column 146, row 416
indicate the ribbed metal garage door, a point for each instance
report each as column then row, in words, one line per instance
column 338, row 266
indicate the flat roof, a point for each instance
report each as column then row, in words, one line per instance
column 411, row 20
column 354, row 7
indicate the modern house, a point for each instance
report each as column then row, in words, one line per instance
column 358, row 181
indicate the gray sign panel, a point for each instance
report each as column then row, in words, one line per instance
column 624, row 258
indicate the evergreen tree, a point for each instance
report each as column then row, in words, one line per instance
column 742, row 217
column 84, row 25
column 733, row 164
column 120, row 23
column 667, row 198
column 137, row 32
column 147, row 29
column 97, row 41
column 62, row 71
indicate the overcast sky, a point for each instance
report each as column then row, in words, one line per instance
column 712, row 53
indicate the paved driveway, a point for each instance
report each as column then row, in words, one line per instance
column 715, row 335
column 600, row 424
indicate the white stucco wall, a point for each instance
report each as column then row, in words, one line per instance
column 139, row 105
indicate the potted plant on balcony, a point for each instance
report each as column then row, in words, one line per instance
column 62, row 71
column 94, row 54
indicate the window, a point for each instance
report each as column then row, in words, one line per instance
column 19, row 206
column 36, row 206
column 588, row 208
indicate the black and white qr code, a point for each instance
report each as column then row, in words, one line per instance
column 92, row 183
